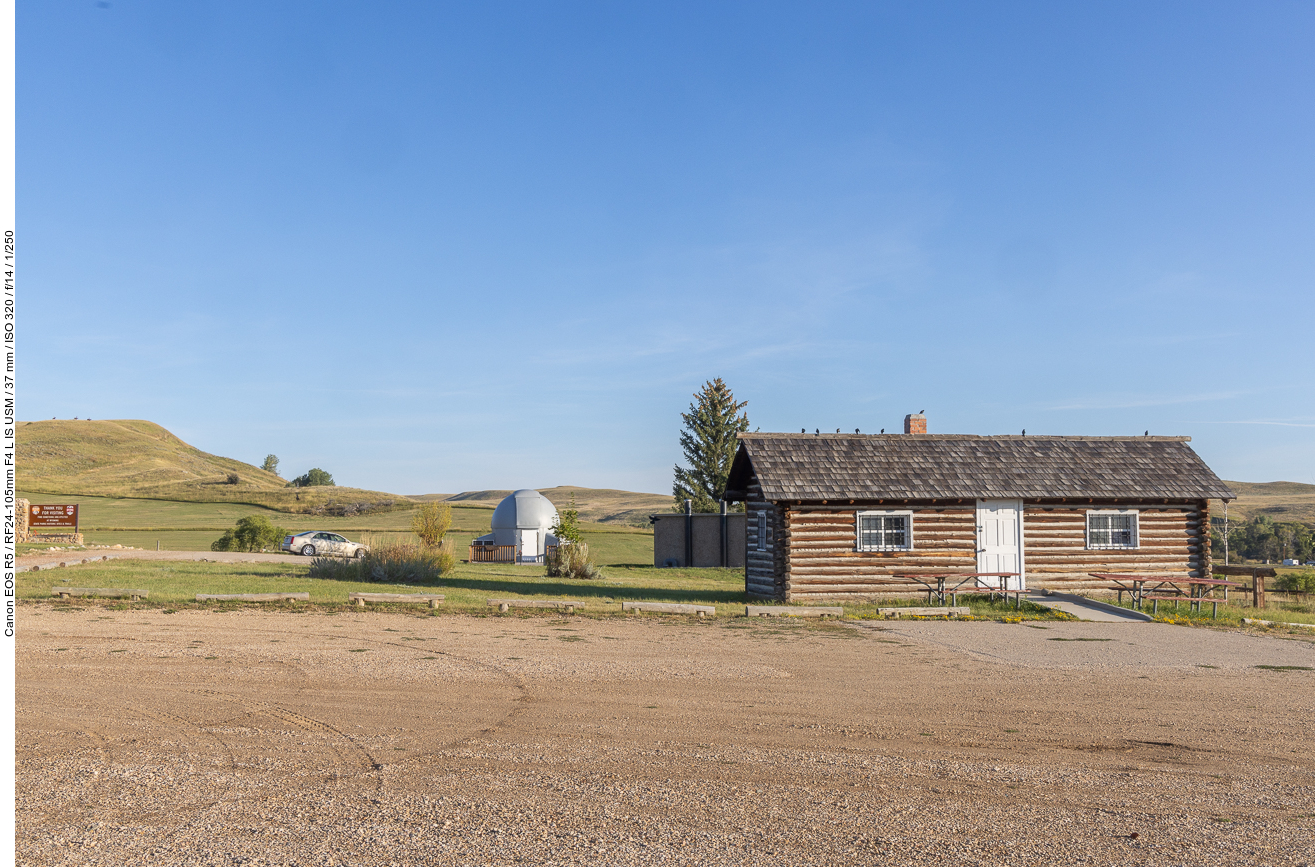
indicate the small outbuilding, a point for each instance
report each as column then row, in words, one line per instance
column 522, row 530
column 850, row 514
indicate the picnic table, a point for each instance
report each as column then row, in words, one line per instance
column 1198, row 589
column 938, row 584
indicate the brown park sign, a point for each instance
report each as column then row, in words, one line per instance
column 52, row 516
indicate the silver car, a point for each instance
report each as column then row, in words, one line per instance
column 317, row 543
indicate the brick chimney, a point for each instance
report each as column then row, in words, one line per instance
column 915, row 423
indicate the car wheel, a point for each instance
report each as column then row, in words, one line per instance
column 360, row 554
column 308, row 550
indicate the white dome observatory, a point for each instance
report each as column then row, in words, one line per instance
column 524, row 520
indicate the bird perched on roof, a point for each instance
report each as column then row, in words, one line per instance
column 1024, row 431
column 855, row 430
column 837, row 430
column 803, row 430
column 817, row 432
column 1148, row 433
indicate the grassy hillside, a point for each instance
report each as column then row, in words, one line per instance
column 175, row 526
column 600, row 505
column 130, row 458
column 1282, row 501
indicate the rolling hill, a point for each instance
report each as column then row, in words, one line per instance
column 598, row 505
column 1282, row 501
column 140, row 459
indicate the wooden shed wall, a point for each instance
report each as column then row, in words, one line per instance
column 763, row 569
column 822, row 558
column 810, row 550
column 1171, row 540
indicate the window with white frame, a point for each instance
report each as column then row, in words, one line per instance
column 762, row 531
column 1112, row 528
column 885, row 531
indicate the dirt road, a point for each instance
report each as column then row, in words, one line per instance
column 390, row 738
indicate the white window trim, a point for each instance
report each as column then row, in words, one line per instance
column 858, row 529
column 1136, row 529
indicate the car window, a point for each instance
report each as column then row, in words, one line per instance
column 338, row 538
column 325, row 536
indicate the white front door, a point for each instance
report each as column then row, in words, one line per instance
column 529, row 545
column 1000, row 542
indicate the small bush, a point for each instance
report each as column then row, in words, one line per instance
column 232, row 479
column 567, row 526
column 390, row 563
column 312, row 479
column 252, row 533
column 431, row 522
column 572, row 561
column 1296, row 582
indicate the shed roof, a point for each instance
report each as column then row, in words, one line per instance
column 959, row 466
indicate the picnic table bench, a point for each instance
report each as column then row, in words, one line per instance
column 108, row 592
column 938, row 585
column 568, row 605
column 1166, row 589
column 361, row 598
column 253, row 597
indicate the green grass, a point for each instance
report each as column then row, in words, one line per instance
column 176, row 526
column 1278, row 608
column 174, row 584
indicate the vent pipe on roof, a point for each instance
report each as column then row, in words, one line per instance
column 915, row 423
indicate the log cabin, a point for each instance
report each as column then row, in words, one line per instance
column 847, row 515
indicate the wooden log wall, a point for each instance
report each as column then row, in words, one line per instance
column 823, row 560
column 1172, row 540
column 811, row 550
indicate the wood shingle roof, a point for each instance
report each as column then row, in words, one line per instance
column 932, row 467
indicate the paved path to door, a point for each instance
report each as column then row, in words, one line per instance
column 1086, row 609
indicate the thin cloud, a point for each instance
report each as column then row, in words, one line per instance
column 1131, row 403
column 1263, row 421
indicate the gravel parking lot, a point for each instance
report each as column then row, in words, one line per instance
column 382, row 738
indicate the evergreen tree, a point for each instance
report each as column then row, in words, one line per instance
column 709, row 444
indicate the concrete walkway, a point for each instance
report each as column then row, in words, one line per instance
column 1087, row 609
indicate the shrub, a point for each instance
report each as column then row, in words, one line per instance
column 431, row 522
column 567, row 526
column 572, row 561
column 252, row 533
column 390, row 563
column 313, row 479
column 232, row 479
column 1296, row 582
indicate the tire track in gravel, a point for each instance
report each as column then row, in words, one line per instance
column 198, row 813
column 519, row 704
column 364, row 761
column 85, row 807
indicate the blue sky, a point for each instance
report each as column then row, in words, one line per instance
column 437, row 247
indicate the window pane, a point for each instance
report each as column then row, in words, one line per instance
column 896, row 531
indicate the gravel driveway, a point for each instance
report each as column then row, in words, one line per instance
column 377, row 738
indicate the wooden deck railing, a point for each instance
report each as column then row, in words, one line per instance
column 504, row 554
column 493, row 553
